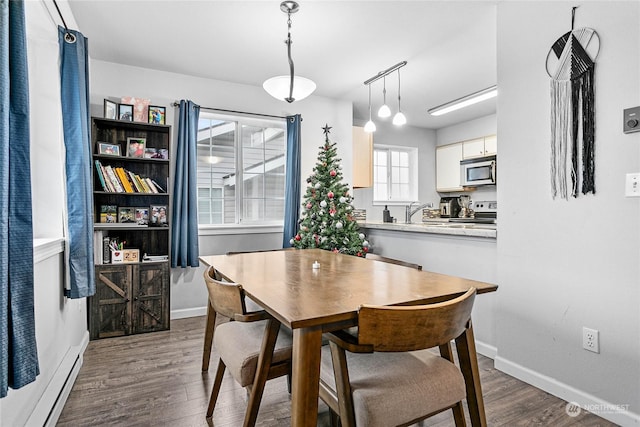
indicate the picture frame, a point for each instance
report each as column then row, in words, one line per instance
column 108, row 149
column 157, row 114
column 108, row 214
column 126, row 215
column 142, row 216
column 110, row 109
column 158, row 216
column 140, row 107
column 136, row 147
column 125, row 112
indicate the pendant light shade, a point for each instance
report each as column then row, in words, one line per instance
column 370, row 126
column 289, row 88
column 384, row 111
column 399, row 119
column 280, row 86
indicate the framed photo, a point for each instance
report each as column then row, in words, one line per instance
column 125, row 112
column 108, row 149
column 108, row 214
column 110, row 109
column 158, row 216
column 127, row 215
column 136, row 147
column 157, row 114
column 140, row 107
column 142, row 216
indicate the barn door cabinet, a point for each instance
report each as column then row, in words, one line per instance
column 129, row 299
column 131, row 207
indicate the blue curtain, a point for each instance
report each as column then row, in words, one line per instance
column 74, row 93
column 184, row 228
column 292, row 185
column 18, row 353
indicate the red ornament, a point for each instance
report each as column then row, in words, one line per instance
column 297, row 237
column 365, row 249
column 330, row 194
column 332, row 173
column 309, row 205
column 359, row 254
column 332, row 212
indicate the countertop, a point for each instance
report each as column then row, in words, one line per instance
column 436, row 227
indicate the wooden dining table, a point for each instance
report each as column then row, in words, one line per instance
column 311, row 301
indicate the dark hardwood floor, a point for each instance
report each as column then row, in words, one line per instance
column 155, row 380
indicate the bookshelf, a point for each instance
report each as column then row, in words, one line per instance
column 132, row 223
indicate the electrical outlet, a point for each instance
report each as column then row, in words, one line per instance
column 632, row 185
column 590, row 340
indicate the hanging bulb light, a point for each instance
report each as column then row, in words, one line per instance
column 399, row 119
column 384, row 111
column 370, row 126
column 289, row 88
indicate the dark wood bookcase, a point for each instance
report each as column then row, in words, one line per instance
column 131, row 297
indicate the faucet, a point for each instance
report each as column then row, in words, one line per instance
column 408, row 213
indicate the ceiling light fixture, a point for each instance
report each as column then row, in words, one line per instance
column 465, row 101
column 370, row 126
column 385, row 111
column 289, row 88
column 399, row 119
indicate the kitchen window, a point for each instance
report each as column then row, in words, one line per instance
column 241, row 170
column 395, row 174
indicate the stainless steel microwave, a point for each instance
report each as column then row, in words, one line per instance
column 478, row 171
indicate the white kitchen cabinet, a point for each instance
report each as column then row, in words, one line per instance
column 480, row 147
column 448, row 167
column 362, row 158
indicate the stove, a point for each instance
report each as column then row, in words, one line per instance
column 485, row 212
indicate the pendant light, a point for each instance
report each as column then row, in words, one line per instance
column 370, row 126
column 289, row 88
column 399, row 119
column 384, row 111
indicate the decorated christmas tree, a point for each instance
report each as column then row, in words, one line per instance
column 326, row 217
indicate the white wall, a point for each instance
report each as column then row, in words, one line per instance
column 109, row 80
column 407, row 136
column 60, row 323
column 563, row 264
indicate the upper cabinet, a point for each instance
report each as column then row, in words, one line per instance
column 362, row 158
column 480, row 147
column 448, row 167
column 448, row 160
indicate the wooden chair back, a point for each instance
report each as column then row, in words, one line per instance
column 409, row 328
column 377, row 257
column 226, row 298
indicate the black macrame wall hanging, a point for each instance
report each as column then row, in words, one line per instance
column 571, row 65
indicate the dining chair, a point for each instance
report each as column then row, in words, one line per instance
column 250, row 342
column 211, row 316
column 377, row 257
column 386, row 375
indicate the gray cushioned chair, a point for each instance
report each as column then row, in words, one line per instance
column 386, row 376
column 252, row 339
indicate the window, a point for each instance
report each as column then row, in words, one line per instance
column 395, row 174
column 241, row 170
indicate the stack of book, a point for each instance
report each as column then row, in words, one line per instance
column 120, row 180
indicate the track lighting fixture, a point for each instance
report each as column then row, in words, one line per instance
column 384, row 111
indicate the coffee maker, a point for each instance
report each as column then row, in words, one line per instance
column 449, row 207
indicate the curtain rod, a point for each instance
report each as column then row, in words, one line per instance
column 177, row 104
column 68, row 36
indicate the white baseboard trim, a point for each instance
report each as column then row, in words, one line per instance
column 52, row 401
column 614, row 412
column 188, row 312
column 487, row 350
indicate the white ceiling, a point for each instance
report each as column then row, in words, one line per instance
column 450, row 46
